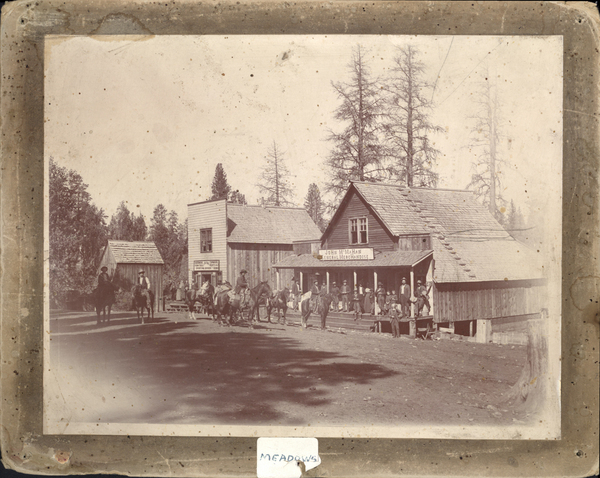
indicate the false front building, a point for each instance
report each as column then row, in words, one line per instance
column 443, row 238
column 224, row 238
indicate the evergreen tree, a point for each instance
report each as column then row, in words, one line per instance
column 140, row 230
column 315, row 207
column 122, row 224
column 236, row 197
column 407, row 125
column 77, row 234
column 220, row 187
column 358, row 153
column 275, row 178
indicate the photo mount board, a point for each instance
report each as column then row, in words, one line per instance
column 25, row 26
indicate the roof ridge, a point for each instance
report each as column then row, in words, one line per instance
column 299, row 208
column 131, row 242
column 400, row 186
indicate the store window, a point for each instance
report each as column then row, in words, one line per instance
column 359, row 230
column 205, row 240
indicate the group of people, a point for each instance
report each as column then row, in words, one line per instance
column 362, row 301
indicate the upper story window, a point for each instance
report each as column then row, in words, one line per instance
column 359, row 230
column 205, row 240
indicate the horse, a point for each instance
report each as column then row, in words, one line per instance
column 204, row 297
column 104, row 300
column 278, row 301
column 143, row 299
column 229, row 304
column 322, row 305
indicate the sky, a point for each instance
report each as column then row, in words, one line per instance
column 146, row 119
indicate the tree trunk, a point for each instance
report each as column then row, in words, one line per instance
column 530, row 389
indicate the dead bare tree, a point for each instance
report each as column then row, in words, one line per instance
column 275, row 181
column 485, row 140
column 408, row 126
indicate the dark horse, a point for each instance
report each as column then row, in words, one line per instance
column 104, row 299
column 143, row 299
column 228, row 306
column 278, row 301
column 204, row 297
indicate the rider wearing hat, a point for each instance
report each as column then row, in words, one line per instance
column 103, row 278
column 241, row 285
column 143, row 281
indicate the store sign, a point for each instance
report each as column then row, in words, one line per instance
column 364, row 254
column 206, row 265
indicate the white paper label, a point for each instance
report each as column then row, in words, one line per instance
column 281, row 457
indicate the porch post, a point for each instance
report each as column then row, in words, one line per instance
column 429, row 281
column 277, row 279
column 355, row 281
column 374, row 294
column 327, row 276
column 412, row 291
column 301, row 281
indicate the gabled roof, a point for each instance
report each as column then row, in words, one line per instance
column 269, row 225
column 469, row 244
column 134, row 252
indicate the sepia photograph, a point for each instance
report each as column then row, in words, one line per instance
column 303, row 235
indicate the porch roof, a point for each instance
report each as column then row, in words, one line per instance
column 380, row 259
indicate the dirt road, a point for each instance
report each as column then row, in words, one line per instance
column 178, row 371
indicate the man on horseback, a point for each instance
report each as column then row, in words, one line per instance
column 241, row 288
column 103, row 279
column 143, row 281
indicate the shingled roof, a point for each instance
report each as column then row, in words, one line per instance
column 269, row 225
column 135, row 252
column 469, row 244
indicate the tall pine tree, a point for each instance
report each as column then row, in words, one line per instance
column 220, row 187
column 407, row 125
column 275, row 178
column 315, row 207
column 358, row 153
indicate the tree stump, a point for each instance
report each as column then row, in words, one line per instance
column 530, row 390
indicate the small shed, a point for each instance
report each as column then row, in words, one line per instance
column 124, row 259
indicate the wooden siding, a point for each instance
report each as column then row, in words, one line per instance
column 465, row 301
column 378, row 236
column 258, row 260
column 211, row 214
column 419, row 242
column 127, row 274
column 307, row 247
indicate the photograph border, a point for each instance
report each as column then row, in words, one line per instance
column 24, row 447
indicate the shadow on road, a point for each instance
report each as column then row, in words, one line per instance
column 225, row 376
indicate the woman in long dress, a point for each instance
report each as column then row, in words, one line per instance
column 368, row 301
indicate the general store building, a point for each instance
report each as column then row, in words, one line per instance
column 224, row 238
column 383, row 233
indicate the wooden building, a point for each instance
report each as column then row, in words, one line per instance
column 124, row 260
column 224, row 238
column 383, row 233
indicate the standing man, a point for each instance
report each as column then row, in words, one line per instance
column 335, row 296
column 395, row 320
column 380, row 293
column 345, row 296
column 356, row 306
column 422, row 295
column 405, row 297
column 241, row 287
column 295, row 294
